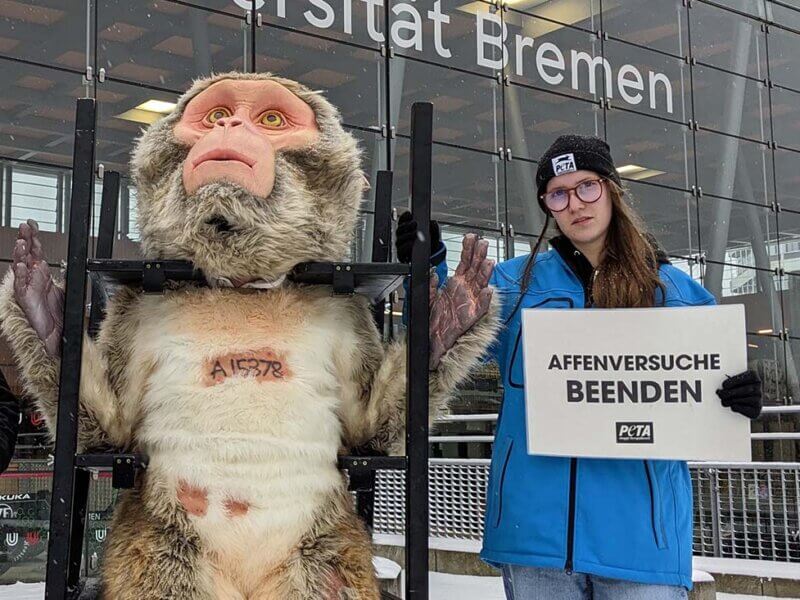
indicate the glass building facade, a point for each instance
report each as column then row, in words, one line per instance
column 699, row 100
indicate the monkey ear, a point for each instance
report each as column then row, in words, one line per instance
column 367, row 184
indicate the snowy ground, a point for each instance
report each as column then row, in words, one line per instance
column 443, row 587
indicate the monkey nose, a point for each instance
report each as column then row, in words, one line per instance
column 232, row 121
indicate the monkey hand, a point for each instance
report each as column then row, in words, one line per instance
column 38, row 296
column 463, row 301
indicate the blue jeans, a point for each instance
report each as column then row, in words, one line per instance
column 533, row 583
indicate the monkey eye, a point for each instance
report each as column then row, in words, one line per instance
column 272, row 119
column 215, row 114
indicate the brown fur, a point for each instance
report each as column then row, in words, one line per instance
column 153, row 550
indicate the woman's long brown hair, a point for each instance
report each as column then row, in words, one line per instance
column 627, row 276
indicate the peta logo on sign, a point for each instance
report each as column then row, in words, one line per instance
column 564, row 164
column 634, row 433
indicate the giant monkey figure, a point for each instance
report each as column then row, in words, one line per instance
column 242, row 393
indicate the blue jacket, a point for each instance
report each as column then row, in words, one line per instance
column 623, row 519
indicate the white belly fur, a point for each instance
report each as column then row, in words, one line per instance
column 269, row 444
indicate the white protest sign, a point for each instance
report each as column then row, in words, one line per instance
column 634, row 383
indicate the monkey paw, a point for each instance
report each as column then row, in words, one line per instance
column 34, row 290
column 463, row 301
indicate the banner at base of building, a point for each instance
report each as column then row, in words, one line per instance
column 634, row 383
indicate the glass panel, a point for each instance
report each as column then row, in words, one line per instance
column 657, row 24
column 461, row 34
column 765, row 357
column 546, row 55
column 580, row 13
column 467, row 109
column 734, row 168
column 119, row 122
column 784, row 48
column 467, row 185
column 523, row 210
column 27, row 28
column 786, row 117
column 789, row 246
column 648, row 82
column 534, row 119
column 350, row 77
column 793, row 368
column 650, row 149
column 787, row 179
column 753, row 8
column 37, row 105
column 233, row 7
column 743, row 237
column 749, row 119
column 165, row 44
column 737, row 233
column 726, row 40
column 347, row 21
column 670, row 215
column 373, row 159
column 35, row 194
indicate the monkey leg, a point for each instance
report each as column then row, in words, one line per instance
column 150, row 558
column 332, row 562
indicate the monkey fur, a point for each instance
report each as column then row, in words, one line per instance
column 242, row 498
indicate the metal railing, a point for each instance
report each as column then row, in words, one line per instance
column 740, row 511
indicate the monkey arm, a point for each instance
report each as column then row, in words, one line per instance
column 374, row 381
column 99, row 423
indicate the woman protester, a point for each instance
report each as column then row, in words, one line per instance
column 589, row 529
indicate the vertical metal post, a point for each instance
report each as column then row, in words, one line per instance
column 418, row 357
column 382, row 231
column 107, row 230
column 61, row 566
column 715, row 510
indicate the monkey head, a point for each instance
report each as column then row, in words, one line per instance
column 250, row 175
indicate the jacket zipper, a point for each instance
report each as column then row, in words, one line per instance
column 573, row 475
column 573, row 463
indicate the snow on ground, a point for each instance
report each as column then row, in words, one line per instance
column 443, row 587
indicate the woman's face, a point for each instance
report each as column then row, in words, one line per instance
column 582, row 222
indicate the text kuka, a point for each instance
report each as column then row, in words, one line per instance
column 261, row 365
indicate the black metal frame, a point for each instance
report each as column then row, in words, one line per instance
column 71, row 470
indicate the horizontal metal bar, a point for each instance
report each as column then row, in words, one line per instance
column 776, row 436
column 438, row 439
column 465, row 418
column 780, row 409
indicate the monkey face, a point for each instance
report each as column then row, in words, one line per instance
column 234, row 129
column 250, row 175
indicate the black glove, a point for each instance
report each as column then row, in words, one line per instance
column 742, row 394
column 407, row 233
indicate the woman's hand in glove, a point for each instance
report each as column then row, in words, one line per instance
column 742, row 393
column 407, row 233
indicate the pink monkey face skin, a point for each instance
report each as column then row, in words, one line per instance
column 234, row 129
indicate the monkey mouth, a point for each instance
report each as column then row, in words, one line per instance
column 223, row 154
column 220, row 224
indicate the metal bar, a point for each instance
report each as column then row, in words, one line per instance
column 105, row 242
column 437, row 439
column 382, row 233
column 476, row 417
column 59, row 561
column 81, row 498
column 418, row 352
column 780, row 409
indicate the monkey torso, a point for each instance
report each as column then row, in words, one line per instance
column 237, row 410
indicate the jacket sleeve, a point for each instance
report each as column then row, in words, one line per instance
column 9, row 423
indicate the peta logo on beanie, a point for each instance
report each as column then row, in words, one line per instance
column 564, row 164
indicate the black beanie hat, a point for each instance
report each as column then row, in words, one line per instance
column 574, row 153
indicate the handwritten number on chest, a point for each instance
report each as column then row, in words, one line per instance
column 263, row 365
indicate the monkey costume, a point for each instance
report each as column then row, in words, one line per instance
column 242, row 393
